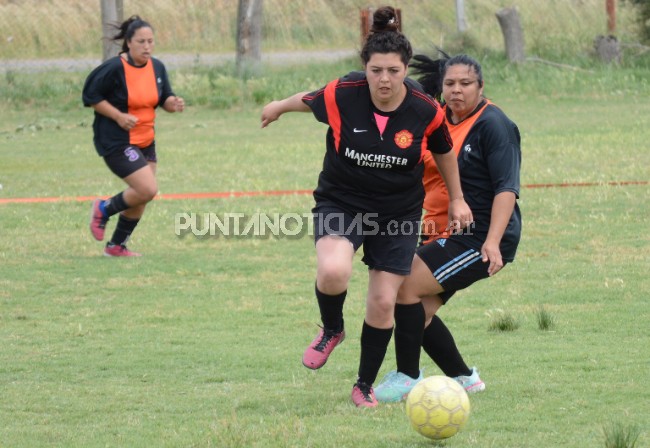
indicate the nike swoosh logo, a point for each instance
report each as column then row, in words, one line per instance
column 356, row 131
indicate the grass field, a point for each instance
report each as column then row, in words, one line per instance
column 198, row 343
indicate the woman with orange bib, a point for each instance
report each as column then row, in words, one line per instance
column 125, row 91
column 487, row 144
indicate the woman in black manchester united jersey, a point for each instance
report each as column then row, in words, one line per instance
column 370, row 191
column 124, row 91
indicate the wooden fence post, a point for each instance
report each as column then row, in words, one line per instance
column 461, row 23
column 365, row 20
column 610, row 6
column 249, row 36
column 608, row 47
column 513, row 34
column 112, row 15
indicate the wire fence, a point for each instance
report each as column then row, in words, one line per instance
column 67, row 34
column 59, row 28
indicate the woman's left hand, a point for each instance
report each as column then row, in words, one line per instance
column 179, row 105
column 492, row 253
column 174, row 104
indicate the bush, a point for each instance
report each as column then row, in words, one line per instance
column 643, row 18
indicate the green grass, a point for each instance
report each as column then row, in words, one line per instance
column 501, row 320
column 198, row 343
column 618, row 435
column 545, row 320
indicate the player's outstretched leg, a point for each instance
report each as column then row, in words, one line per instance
column 321, row 347
column 98, row 220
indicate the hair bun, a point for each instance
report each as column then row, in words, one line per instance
column 385, row 19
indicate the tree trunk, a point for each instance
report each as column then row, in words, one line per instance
column 512, row 33
column 249, row 36
column 112, row 15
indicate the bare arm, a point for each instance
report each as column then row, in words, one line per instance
column 459, row 212
column 502, row 208
column 274, row 109
column 124, row 120
column 174, row 104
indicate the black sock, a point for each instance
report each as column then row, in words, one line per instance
column 439, row 344
column 331, row 310
column 123, row 230
column 374, row 343
column 409, row 326
column 114, row 205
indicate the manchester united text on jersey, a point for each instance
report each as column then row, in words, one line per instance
column 375, row 160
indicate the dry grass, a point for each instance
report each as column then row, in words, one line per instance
column 70, row 28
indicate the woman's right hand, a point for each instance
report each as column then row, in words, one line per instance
column 274, row 109
column 126, row 121
column 271, row 113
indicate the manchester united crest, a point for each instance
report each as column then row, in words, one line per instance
column 403, row 139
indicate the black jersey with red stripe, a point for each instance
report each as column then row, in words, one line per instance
column 368, row 171
column 489, row 162
column 131, row 89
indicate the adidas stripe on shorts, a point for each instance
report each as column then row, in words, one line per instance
column 454, row 265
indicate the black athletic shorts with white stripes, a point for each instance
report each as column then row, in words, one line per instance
column 453, row 265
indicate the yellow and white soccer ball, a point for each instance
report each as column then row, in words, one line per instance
column 437, row 407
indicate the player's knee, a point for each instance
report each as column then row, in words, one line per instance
column 148, row 192
column 406, row 295
column 383, row 304
column 332, row 278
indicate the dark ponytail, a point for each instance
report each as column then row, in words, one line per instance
column 430, row 73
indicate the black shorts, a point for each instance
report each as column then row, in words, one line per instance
column 130, row 159
column 387, row 245
column 453, row 265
